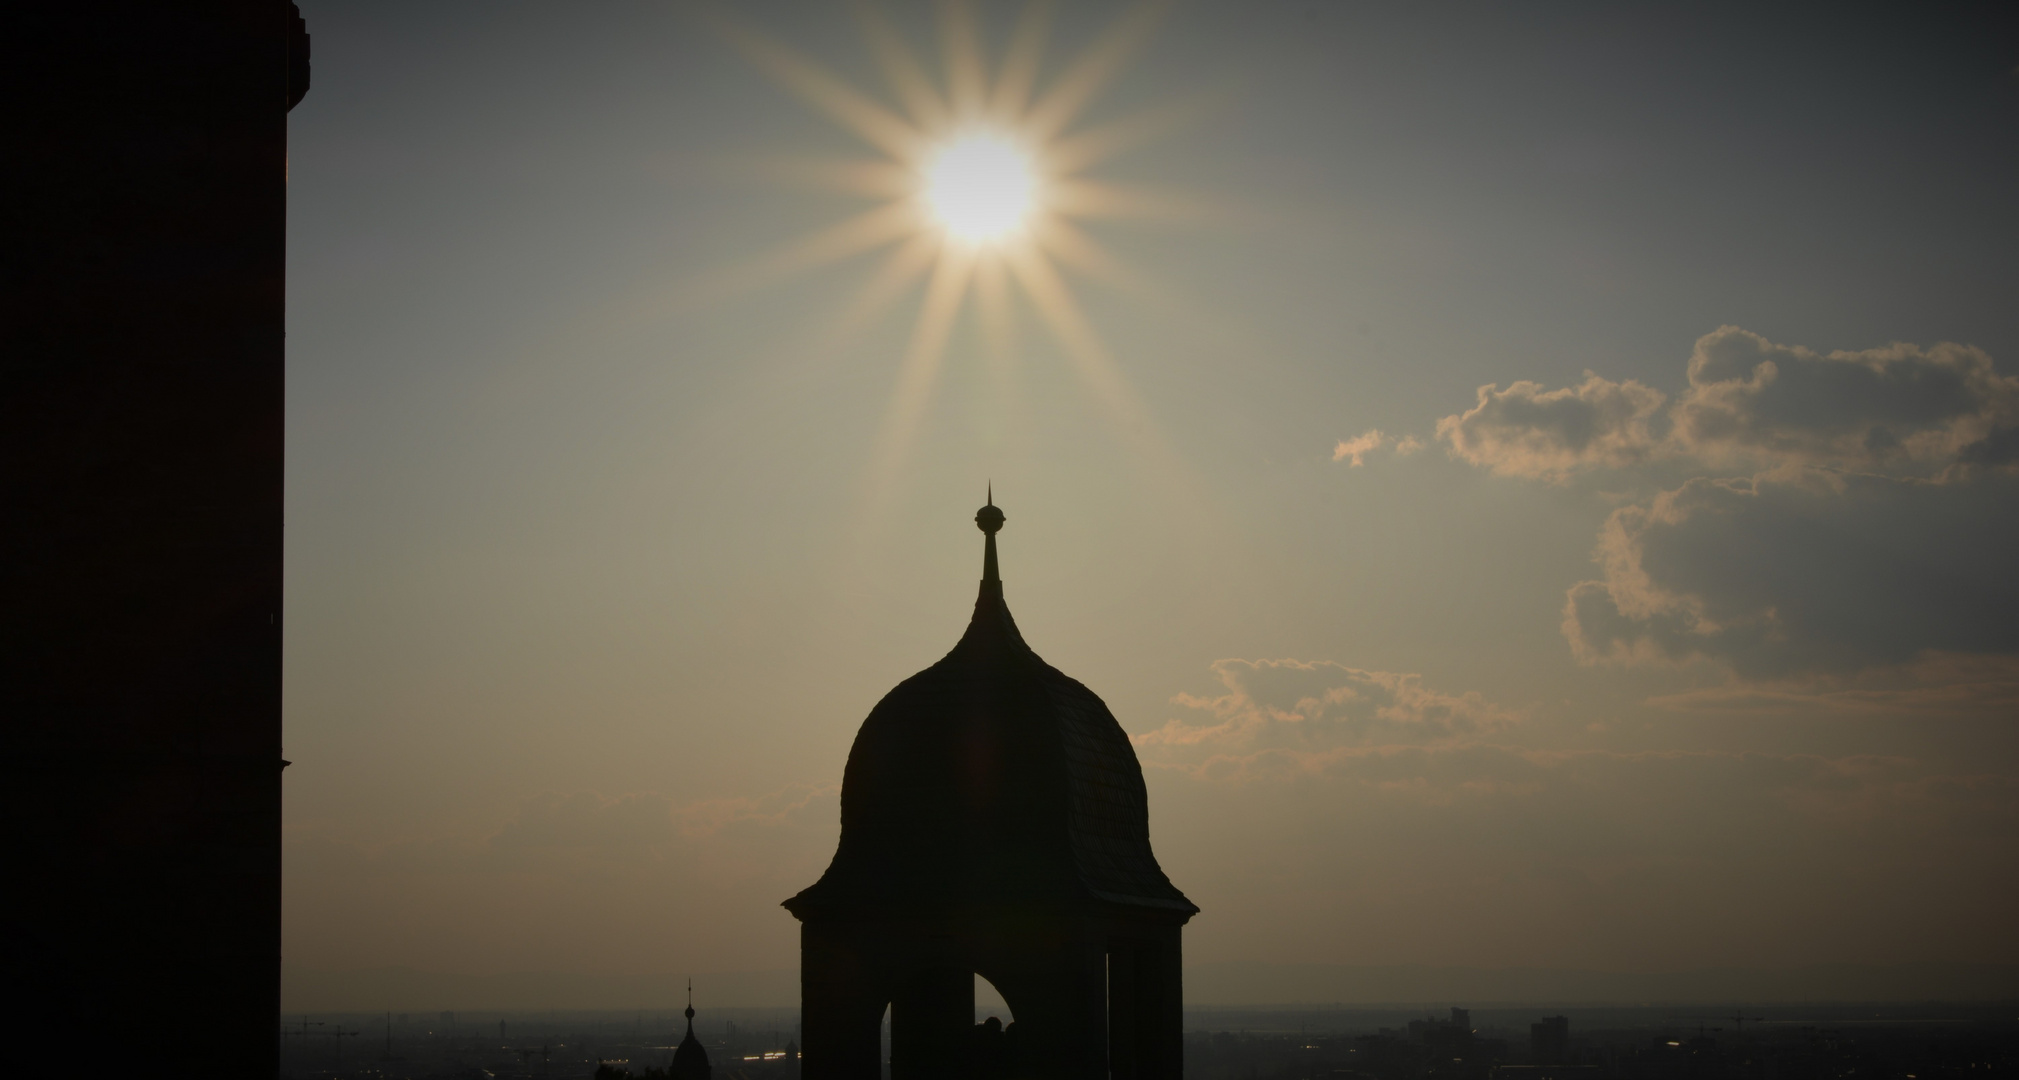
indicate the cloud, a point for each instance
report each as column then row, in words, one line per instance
column 1804, row 570
column 1359, row 446
column 1293, row 709
column 1753, row 404
column 1901, row 409
column 1866, row 525
column 1539, row 434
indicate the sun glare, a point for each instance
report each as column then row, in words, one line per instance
column 981, row 187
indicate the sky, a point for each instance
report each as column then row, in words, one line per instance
column 1537, row 483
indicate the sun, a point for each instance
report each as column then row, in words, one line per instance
column 980, row 187
column 979, row 184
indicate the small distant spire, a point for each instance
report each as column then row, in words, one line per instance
column 690, row 1059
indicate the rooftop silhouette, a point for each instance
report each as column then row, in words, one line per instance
column 993, row 821
column 690, row 1061
column 992, row 777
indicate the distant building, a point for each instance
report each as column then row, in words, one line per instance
column 1453, row 1035
column 1549, row 1040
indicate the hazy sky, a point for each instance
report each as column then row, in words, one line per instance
column 1537, row 481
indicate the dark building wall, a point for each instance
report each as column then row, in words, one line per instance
column 141, row 443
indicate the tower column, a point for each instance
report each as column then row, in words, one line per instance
column 1124, row 1011
column 841, row 1007
column 1159, row 1007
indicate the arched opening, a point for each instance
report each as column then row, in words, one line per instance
column 993, row 1052
column 883, row 1050
column 988, row 1001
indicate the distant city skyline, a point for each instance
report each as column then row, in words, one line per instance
column 1393, row 1043
column 1211, row 985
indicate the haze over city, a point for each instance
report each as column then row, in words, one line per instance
column 1535, row 484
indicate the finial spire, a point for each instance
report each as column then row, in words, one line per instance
column 690, row 1005
column 989, row 520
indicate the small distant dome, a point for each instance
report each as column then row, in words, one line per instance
column 690, row 1060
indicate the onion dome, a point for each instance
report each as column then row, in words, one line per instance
column 992, row 779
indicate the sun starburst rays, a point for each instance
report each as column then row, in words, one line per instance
column 979, row 177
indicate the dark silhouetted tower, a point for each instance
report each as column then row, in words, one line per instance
column 993, row 821
column 141, row 431
column 690, row 1059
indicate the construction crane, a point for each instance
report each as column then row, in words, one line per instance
column 1741, row 1019
column 1701, row 1021
column 305, row 1024
column 340, row 1035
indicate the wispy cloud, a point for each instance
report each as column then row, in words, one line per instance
column 1933, row 684
column 1439, row 812
column 1289, row 713
column 1355, row 449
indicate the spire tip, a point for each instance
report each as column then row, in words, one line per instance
column 989, row 520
